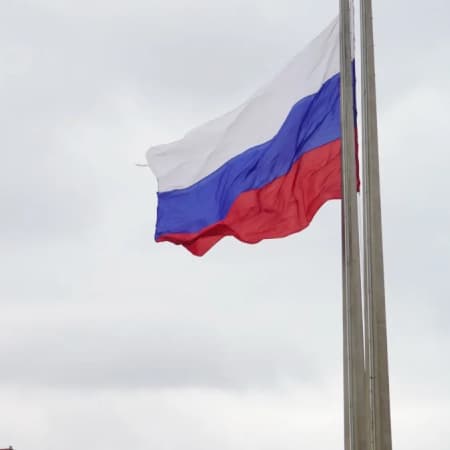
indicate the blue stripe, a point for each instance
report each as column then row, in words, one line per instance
column 312, row 122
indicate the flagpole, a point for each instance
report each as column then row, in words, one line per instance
column 355, row 411
column 375, row 307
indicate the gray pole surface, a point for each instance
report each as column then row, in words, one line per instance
column 375, row 307
column 355, row 408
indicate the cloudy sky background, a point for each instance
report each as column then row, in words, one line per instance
column 108, row 340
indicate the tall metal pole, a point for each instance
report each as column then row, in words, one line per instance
column 355, row 408
column 375, row 307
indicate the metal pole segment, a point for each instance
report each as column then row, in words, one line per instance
column 375, row 306
column 355, row 408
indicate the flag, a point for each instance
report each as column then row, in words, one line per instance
column 264, row 169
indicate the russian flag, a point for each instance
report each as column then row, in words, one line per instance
column 264, row 169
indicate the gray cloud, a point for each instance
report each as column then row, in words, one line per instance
column 108, row 338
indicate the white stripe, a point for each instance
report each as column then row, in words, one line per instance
column 206, row 148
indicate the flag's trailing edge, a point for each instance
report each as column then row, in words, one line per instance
column 264, row 169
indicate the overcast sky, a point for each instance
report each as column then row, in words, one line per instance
column 110, row 341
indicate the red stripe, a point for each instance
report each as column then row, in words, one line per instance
column 285, row 206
